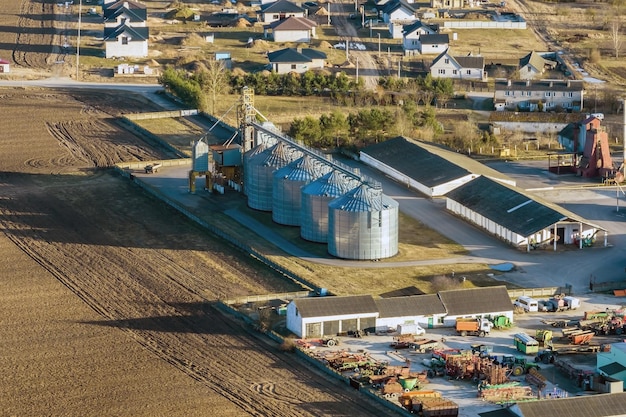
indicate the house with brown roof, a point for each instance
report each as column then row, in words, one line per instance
column 538, row 95
column 534, row 64
column 468, row 67
column 292, row 29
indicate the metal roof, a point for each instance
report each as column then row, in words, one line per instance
column 335, row 306
column 434, row 39
column 613, row 368
column 416, row 305
column 476, row 300
column 293, row 55
column 277, row 155
column 332, row 184
column 363, row 198
column 539, row 85
column 281, row 6
column 601, row 405
column 302, row 169
column 511, row 207
column 428, row 163
column 138, row 34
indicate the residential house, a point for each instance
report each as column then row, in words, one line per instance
column 296, row 60
column 126, row 41
column 538, row 95
column 534, row 65
column 398, row 10
column 5, row 66
column 433, row 44
column 487, row 302
column 411, row 35
column 125, row 30
column 469, row 67
column 292, row 29
column 280, row 10
column 447, row 4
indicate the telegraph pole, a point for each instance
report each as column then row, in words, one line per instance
column 80, row 10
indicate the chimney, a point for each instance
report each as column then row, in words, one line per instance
column 508, row 83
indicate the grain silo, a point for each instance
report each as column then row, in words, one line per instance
column 363, row 224
column 288, row 182
column 314, row 206
column 259, row 174
column 200, row 156
column 246, row 160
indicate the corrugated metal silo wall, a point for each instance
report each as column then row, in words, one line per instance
column 314, row 217
column 200, row 156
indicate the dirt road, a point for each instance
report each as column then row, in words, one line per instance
column 368, row 68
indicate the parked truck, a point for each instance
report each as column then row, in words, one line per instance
column 152, row 169
column 473, row 327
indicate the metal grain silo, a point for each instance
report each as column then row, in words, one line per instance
column 259, row 174
column 363, row 224
column 200, row 156
column 314, row 206
column 252, row 153
column 288, row 183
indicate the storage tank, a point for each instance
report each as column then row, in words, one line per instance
column 363, row 224
column 247, row 156
column 259, row 175
column 314, row 206
column 200, row 156
column 288, row 182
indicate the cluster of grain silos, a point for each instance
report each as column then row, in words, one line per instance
column 330, row 203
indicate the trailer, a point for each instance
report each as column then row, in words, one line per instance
column 425, row 345
column 525, row 344
column 153, row 168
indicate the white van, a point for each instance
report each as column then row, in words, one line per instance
column 528, row 304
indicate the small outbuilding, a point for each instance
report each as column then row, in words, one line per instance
column 5, row 66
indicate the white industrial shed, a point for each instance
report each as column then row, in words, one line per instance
column 488, row 302
column 321, row 316
column 425, row 310
column 518, row 218
column 426, row 167
column 325, row 316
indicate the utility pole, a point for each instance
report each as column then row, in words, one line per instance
column 357, row 69
column 624, row 137
column 379, row 44
column 80, row 10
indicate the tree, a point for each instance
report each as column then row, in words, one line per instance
column 615, row 35
column 214, row 79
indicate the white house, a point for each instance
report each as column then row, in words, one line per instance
column 484, row 302
column 324, row 316
column 280, row 10
column 5, row 66
column 468, row 67
column 126, row 41
column 296, row 60
column 292, row 29
column 125, row 12
column 534, row 95
column 534, row 64
column 411, row 35
column 398, row 10
column 433, row 44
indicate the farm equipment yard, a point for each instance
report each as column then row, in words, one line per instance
column 444, row 371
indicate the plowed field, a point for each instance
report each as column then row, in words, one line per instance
column 105, row 293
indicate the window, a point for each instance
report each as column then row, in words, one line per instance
column 547, row 94
column 454, row 72
column 446, row 61
column 507, row 93
column 468, row 72
column 570, row 95
column 441, row 71
column 528, row 93
column 124, row 40
column 293, row 66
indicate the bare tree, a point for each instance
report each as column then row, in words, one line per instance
column 614, row 33
column 214, row 80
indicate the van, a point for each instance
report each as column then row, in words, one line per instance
column 528, row 304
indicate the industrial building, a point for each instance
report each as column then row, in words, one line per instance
column 323, row 316
column 518, row 218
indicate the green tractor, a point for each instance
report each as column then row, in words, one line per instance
column 519, row 365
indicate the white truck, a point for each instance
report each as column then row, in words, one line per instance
column 152, row 169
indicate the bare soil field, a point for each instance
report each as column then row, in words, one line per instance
column 107, row 294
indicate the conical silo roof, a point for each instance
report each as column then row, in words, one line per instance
column 332, row 184
column 278, row 156
column 302, row 169
column 363, row 198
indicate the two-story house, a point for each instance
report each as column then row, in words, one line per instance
column 398, row 10
column 433, row 44
column 533, row 65
column 125, row 30
column 280, row 10
column 411, row 35
column 469, row 67
column 538, row 95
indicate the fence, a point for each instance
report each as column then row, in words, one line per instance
column 133, row 127
column 478, row 24
column 122, row 167
column 540, row 292
column 268, row 297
